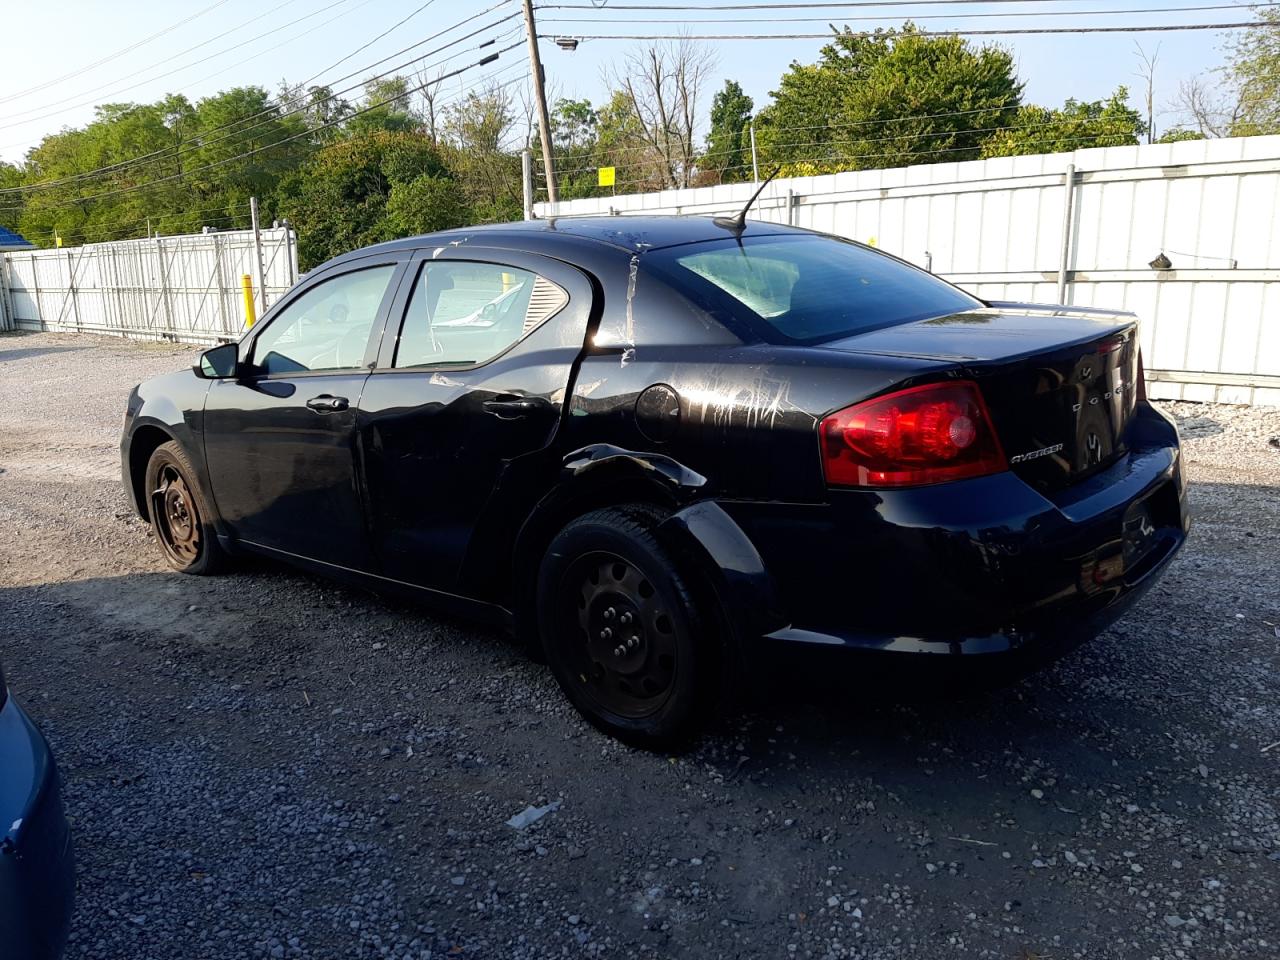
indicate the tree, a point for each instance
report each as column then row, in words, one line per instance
column 662, row 86
column 427, row 203
column 477, row 135
column 10, row 203
column 1245, row 99
column 1078, row 125
column 888, row 99
column 387, row 107
column 1211, row 110
column 728, row 152
column 574, row 139
column 341, row 199
column 1178, row 134
column 1147, row 73
column 1253, row 67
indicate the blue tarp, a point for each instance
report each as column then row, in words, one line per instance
column 10, row 240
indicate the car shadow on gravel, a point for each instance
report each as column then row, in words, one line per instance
column 31, row 352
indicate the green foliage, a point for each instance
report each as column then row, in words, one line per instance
column 486, row 168
column 1178, row 134
column 386, row 106
column 575, row 132
column 343, row 196
column 1078, row 125
column 192, row 154
column 1253, row 64
column 889, row 99
column 728, row 153
column 425, row 204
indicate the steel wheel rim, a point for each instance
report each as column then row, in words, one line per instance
column 616, row 635
column 177, row 521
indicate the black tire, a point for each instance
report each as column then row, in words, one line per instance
column 179, row 513
column 621, row 630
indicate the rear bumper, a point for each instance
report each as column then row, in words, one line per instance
column 986, row 569
column 37, row 872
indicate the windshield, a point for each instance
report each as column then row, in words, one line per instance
column 806, row 288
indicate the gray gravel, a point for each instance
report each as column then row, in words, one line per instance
column 266, row 765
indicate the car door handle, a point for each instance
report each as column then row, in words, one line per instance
column 513, row 407
column 327, row 404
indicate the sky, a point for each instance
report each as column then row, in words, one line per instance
column 60, row 59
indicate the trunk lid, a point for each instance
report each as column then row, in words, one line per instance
column 1060, row 383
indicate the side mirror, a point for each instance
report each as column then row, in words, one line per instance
column 218, row 362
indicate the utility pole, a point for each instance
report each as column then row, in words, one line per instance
column 526, row 181
column 540, row 94
column 257, row 254
column 755, row 162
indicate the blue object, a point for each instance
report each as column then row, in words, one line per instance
column 37, row 871
column 9, row 240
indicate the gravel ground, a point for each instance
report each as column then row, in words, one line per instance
column 266, row 765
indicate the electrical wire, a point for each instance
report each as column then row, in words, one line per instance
column 794, row 6
column 269, row 146
column 774, row 147
column 101, row 96
column 914, row 18
column 1092, row 138
column 271, row 113
column 1009, row 32
column 113, row 56
column 365, row 46
column 480, row 82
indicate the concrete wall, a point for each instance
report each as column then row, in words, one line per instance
column 1014, row 228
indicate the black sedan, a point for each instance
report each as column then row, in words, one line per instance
column 669, row 451
column 36, row 865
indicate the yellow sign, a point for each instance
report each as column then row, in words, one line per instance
column 605, row 176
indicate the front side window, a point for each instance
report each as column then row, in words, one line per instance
column 326, row 328
column 806, row 288
column 467, row 313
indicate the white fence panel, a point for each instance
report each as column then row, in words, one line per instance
column 1211, row 324
column 178, row 288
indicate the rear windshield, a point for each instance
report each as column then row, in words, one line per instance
column 806, row 288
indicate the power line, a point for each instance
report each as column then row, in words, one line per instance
column 785, row 6
column 767, row 148
column 103, row 229
column 927, row 16
column 1091, row 138
column 271, row 112
column 101, row 96
column 365, row 46
column 269, row 146
column 1024, row 31
column 112, row 56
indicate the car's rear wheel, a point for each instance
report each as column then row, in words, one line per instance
column 621, row 629
column 179, row 514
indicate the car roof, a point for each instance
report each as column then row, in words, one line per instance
column 632, row 234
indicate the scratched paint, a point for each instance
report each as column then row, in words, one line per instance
column 758, row 402
column 629, row 335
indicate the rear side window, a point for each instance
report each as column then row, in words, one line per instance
column 805, row 288
column 466, row 313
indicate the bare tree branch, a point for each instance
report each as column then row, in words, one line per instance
column 664, row 84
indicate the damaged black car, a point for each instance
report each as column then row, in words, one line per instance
column 670, row 452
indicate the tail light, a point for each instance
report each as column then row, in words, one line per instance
column 1142, row 379
column 928, row 434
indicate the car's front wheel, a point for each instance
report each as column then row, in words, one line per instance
column 621, row 629
column 179, row 514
